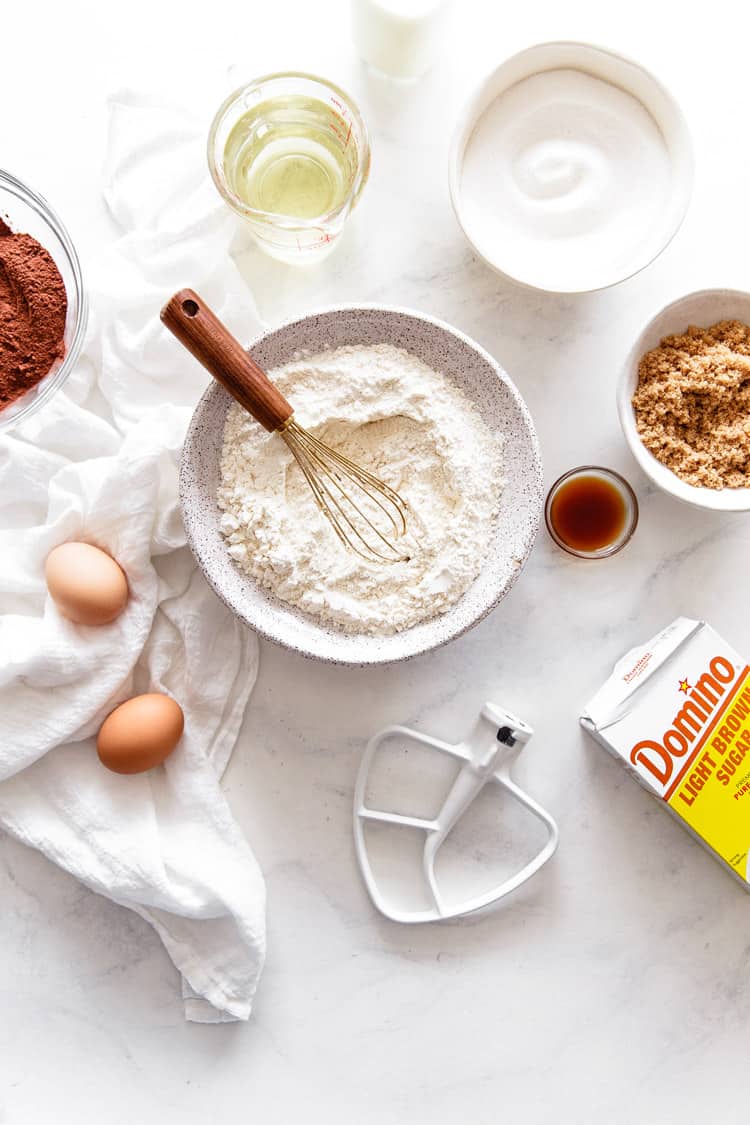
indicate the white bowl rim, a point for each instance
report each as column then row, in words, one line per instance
column 536, row 456
column 718, row 500
column 470, row 114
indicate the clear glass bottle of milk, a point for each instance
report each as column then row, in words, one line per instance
column 400, row 38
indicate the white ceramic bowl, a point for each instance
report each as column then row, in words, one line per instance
column 703, row 309
column 501, row 406
column 618, row 71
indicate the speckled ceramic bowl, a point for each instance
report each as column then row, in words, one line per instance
column 478, row 375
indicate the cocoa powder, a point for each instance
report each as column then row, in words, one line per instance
column 33, row 305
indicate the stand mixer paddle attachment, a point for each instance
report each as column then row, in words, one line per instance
column 485, row 758
column 367, row 515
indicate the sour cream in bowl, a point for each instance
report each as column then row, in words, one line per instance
column 571, row 168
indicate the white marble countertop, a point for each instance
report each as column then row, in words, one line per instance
column 614, row 986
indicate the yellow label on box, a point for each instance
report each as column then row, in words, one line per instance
column 676, row 712
column 705, row 793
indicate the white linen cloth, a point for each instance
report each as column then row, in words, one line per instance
column 99, row 463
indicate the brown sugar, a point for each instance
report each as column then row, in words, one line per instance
column 692, row 404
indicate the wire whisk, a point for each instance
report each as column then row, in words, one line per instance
column 367, row 515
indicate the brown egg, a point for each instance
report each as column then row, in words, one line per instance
column 140, row 733
column 86, row 584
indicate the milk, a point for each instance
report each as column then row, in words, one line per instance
column 676, row 714
column 400, row 38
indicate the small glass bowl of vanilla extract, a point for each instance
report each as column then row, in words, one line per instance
column 591, row 512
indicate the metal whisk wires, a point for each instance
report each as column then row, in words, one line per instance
column 335, row 481
column 366, row 514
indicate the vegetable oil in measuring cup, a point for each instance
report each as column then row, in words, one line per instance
column 289, row 153
column 290, row 156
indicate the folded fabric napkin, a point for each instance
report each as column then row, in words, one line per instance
column 99, row 463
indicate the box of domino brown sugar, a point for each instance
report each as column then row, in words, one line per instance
column 676, row 713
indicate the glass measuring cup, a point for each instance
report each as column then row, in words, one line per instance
column 290, row 154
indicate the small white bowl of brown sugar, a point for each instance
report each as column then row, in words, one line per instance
column 684, row 399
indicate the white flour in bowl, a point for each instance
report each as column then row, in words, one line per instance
column 412, row 427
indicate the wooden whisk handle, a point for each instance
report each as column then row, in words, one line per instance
column 213, row 345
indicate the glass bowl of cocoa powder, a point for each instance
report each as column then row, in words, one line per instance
column 43, row 306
